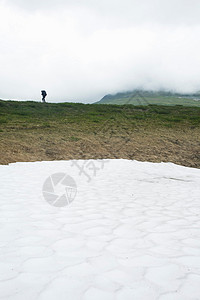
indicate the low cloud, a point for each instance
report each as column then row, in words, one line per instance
column 82, row 51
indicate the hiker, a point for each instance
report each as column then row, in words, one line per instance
column 44, row 94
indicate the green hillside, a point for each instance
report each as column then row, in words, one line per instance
column 139, row 97
column 33, row 131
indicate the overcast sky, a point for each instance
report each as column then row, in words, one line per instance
column 81, row 50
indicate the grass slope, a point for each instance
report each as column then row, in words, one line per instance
column 138, row 97
column 31, row 131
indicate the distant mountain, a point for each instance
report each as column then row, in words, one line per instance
column 140, row 97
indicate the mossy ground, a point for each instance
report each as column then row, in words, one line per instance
column 32, row 131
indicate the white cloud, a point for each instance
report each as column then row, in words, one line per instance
column 81, row 51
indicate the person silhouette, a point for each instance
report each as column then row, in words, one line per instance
column 44, row 94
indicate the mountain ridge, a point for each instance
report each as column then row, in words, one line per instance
column 145, row 97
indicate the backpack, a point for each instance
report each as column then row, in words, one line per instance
column 44, row 94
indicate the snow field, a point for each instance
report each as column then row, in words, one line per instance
column 131, row 233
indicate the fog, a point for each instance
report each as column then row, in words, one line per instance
column 81, row 50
